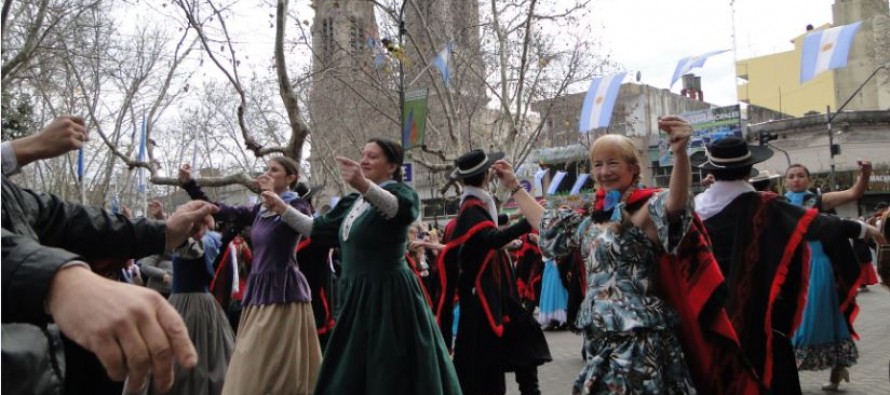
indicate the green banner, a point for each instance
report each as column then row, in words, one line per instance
column 414, row 112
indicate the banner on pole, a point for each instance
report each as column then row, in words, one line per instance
column 414, row 112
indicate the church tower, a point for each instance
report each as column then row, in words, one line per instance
column 350, row 101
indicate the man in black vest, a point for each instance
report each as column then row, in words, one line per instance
column 495, row 334
column 758, row 240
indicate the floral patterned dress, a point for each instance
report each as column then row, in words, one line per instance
column 629, row 332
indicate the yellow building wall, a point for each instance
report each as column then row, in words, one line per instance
column 773, row 81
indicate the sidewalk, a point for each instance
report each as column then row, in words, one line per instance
column 869, row 376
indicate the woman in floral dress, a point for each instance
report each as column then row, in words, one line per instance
column 629, row 332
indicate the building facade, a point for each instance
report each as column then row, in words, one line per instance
column 861, row 135
column 773, row 81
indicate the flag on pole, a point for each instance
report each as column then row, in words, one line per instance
column 539, row 180
column 442, row 61
column 140, row 156
column 554, row 183
column 687, row 64
column 414, row 113
column 195, row 155
column 115, row 204
column 599, row 102
column 79, row 164
column 377, row 49
column 826, row 50
column 576, row 189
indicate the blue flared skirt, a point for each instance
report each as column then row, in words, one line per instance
column 554, row 297
column 823, row 340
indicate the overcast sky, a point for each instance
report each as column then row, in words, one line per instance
column 651, row 35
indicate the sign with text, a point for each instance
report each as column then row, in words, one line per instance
column 707, row 126
column 408, row 172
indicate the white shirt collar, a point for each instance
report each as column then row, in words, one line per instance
column 482, row 195
column 714, row 199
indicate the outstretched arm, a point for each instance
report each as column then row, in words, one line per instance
column 63, row 134
column 678, row 132
column 831, row 200
column 527, row 204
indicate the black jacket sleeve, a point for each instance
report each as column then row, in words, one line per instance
column 830, row 227
column 495, row 238
column 195, row 192
column 28, row 270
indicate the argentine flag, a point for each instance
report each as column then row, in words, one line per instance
column 599, row 102
column 554, row 183
column 689, row 63
column 826, row 49
column 441, row 62
column 576, row 189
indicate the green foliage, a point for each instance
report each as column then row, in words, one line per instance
column 18, row 116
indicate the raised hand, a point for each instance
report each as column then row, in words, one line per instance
column 265, row 182
column 865, row 168
column 351, row 173
column 63, row 134
column 185, row 173
column 678, row 131
column 156, row 210
column 190, row 219
column 273, row 202
column 504, row 172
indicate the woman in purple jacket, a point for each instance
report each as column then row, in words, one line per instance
column 276, row 349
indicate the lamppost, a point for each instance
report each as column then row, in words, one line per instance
column 835, row 149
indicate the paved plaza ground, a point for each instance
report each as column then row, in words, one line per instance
column 869, row 376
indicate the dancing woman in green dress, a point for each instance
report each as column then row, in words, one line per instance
column 386, row 340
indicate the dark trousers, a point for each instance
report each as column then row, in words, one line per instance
column 785, row 376
column 527, row 378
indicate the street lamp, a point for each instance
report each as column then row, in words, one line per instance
column 835, row 149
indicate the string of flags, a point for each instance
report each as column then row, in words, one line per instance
column 821, row 51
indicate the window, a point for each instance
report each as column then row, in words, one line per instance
column 357, row 41
column 327, row 41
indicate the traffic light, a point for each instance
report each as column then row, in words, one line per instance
column 835, row 150
column 766, row 137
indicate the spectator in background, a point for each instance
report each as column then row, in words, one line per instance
column 157, row 269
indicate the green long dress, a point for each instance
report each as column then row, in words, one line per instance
column 386, row 340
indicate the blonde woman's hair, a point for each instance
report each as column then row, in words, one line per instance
column 623, row 145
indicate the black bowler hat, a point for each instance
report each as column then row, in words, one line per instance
column 474, row 163
column 733, row 152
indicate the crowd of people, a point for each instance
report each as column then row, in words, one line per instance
column 731, row 291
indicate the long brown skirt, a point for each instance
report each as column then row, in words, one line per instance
column 276, row 352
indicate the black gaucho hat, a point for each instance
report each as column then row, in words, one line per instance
column 733, row 152
column 474, row 163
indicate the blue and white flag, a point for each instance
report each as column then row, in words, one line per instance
column 442, row 60
column 140, row 156
column 687, row 64
column 115, row 204
column 80, row 164
column 576, row 189
column 599, row 102
column 826, row 50
column 378, row 50
column 539, row 180
column 195, row 155
column 554, row 183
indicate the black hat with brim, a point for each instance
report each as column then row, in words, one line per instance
column 733, row 152
column 474, row 163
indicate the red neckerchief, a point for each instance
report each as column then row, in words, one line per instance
column 636, row 196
